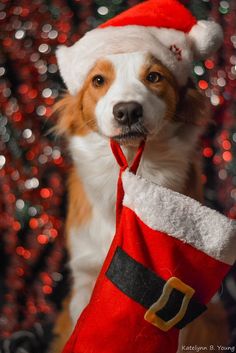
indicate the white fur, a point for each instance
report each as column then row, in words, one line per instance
column 181, row 217
column 128, row 87
column 89, row 244
column 166, row 157
column 98, row 170
column 76, row 61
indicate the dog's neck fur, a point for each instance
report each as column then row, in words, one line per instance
column 165, row 161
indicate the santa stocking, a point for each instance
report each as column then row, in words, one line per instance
column 168, row 258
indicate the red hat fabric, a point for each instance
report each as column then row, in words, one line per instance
column 165, row 29
column 168, row 257
column 155, row 13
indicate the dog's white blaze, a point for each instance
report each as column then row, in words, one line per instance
column 128, row 87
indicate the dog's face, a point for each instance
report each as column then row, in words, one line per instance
column 129, row 96
column 133, row 94
column 126, row 97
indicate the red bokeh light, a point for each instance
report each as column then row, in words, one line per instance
column 203, row 84
column 227, row 156
column 207, row 152
column 42, row 239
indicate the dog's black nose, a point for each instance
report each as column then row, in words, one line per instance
column 127, row 113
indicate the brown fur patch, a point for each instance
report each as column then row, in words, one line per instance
column 71, row 119
column 77, row 113
column 79, row 210
column 193, row 186
column 166, row 88
column 186, row 104
column 192, row 107
column 91, row 94
column 62, row 329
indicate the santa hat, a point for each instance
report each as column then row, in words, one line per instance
column 164, row 28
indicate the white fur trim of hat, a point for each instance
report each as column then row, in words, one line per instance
column 175, row 42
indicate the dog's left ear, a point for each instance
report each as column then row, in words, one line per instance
column 69, row 113
column 193, row 107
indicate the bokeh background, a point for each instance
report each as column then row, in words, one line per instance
column 34, row 163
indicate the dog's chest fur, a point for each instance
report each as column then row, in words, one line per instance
column 165, row 162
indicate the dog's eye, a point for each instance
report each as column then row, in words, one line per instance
column 154, row 77
column 98, row 81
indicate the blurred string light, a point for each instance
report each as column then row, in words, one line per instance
column 103, row 10
column 224, row 7
column 216, row 77
column 31, row 164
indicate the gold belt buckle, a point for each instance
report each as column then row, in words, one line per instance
column 172, row 283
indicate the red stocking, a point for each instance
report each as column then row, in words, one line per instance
column 168, row 258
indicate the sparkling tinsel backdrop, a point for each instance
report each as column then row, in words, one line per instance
column 34, row 163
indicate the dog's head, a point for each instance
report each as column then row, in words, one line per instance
column 128, row 77
column 128, row 97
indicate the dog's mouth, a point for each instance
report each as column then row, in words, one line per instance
column 131, row 135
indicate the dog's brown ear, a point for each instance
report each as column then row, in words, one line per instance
column 193, row 107
column 66, row 110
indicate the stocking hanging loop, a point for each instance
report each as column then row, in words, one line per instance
column 121, row 159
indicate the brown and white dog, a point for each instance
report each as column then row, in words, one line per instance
column 127, row 97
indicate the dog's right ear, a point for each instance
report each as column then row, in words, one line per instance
column 193, row 107
column 66, row 110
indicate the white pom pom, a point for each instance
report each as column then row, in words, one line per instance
column 206, row 37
